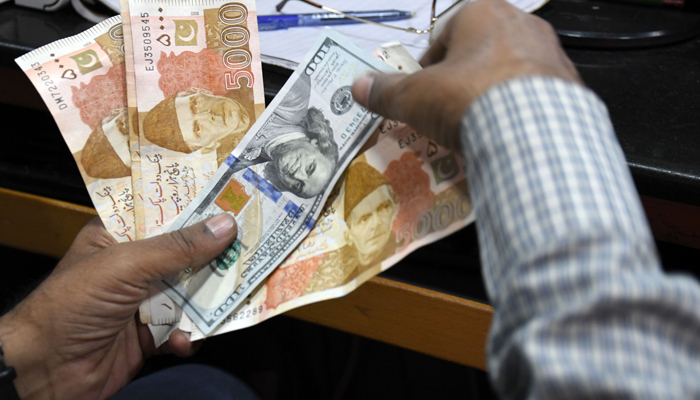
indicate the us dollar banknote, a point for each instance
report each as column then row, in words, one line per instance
column 81, row 80
column 278, row 178
column 198, row 89
column 403, row 193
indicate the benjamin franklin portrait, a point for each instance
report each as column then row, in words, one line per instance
column 296, row 145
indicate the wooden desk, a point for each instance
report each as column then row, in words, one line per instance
column 427, row 321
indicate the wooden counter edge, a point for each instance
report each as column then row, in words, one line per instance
column 422, row 320
column 40, row 224
column 426, row 321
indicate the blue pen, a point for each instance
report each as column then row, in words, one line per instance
column 284, row 21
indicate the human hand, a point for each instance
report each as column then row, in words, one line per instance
column 486, row 43
column 76, row 335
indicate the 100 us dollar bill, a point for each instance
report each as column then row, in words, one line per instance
column 278, row 179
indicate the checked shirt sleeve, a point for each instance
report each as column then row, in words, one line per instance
column 582, row 308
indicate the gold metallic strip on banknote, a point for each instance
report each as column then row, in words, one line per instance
column 81, row 80
column 199, row 89
column 403, row 193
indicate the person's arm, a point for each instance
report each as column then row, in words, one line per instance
column 582, row 309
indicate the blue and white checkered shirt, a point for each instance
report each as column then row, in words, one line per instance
column 582, row 307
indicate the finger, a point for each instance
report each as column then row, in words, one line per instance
column 379, row 93
column 148, row 345
column 91, row 239
column 152, row 259
column 435, row 53
column 180, row 344
column 441, row 46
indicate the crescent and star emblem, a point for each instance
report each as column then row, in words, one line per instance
column 87, row 61
column 185, row 32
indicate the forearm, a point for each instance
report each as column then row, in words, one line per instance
column 569, row 262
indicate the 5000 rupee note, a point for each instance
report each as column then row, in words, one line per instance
column 198, row 82
column 81, row 80
column 277, row 180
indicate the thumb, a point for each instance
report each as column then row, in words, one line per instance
column 191, row 247
column 381, row 93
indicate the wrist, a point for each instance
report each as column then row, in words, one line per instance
column 24, row 350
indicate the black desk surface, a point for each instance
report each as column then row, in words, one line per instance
column 652, row 94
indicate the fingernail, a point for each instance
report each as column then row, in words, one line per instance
column 362, row 87
column 221, row 225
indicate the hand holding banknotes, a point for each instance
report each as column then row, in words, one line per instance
column 488, row 42
column 75, row 336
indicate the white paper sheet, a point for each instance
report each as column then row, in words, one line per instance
column 287, row 47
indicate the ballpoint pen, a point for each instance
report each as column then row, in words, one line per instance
column 284, row 21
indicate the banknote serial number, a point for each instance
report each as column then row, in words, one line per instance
column 245, row 314
column 146, row 41
column 50, row 86
column 410, row 138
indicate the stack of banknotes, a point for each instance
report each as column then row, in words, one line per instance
column 163, row 110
